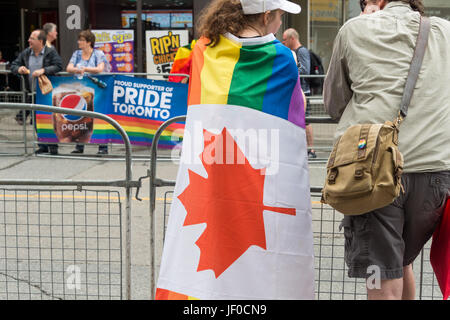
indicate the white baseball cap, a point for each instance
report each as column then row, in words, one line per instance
column 261, row 6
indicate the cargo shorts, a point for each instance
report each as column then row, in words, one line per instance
column 392, row 237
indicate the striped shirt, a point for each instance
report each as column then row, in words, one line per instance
column 35, row 63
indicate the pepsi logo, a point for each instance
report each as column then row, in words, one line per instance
column 75, row 102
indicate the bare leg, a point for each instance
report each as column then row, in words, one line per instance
column 309, row 136
column 396, row 289
column 409, row 284
column 390, row 290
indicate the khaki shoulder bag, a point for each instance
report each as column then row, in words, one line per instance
column 365, row 167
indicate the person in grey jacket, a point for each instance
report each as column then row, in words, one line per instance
column 34, row 61
column 364, row 84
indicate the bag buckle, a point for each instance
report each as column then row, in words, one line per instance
column 359, row 173
column 398, row 121
column 332, row 176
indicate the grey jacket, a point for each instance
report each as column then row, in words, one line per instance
column 367, row 75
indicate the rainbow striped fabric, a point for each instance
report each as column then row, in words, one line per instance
column 240, row 223
column 182, row 62
column 140, row 131
column 257, row 74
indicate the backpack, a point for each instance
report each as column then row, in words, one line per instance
column 316, row 68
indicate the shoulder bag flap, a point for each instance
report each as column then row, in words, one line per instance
column 356, row 144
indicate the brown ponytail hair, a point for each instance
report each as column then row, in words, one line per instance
column 222, row 16
column 416, row 5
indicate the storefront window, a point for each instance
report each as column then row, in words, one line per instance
column 326, row 17
column 162, row 19
column 438, row 8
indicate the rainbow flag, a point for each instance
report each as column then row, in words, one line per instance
column 240, row 224
column 182, row 62
column 258, row 76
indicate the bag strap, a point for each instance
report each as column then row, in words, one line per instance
column 332, row 157
column 416, row 64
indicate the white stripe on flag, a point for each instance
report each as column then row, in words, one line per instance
column 285, row 270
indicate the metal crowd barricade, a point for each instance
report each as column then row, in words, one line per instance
column 47, row 233
column 154, row 183
column 14, row 137
column 323, row 132
column 331, row 279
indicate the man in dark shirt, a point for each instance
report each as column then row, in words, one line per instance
column 33, row 62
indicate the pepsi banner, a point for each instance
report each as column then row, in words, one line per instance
column 139, row 105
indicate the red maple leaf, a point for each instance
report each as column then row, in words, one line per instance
column 229, row 201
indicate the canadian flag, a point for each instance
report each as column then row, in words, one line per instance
column 240, row 222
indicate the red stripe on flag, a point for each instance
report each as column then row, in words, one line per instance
column 163, row 294
column 288, row 211
column 195, row 90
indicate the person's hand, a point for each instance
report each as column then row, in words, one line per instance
column 23, row 70
column 80, row 70
column 38, row 73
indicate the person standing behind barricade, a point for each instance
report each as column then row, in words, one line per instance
column 291, row 40
column 3, row 81
column 88, row 60
column 364, row 85
column 52, row 33
column 33, row 62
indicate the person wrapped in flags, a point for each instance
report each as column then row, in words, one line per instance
column 240, row 224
